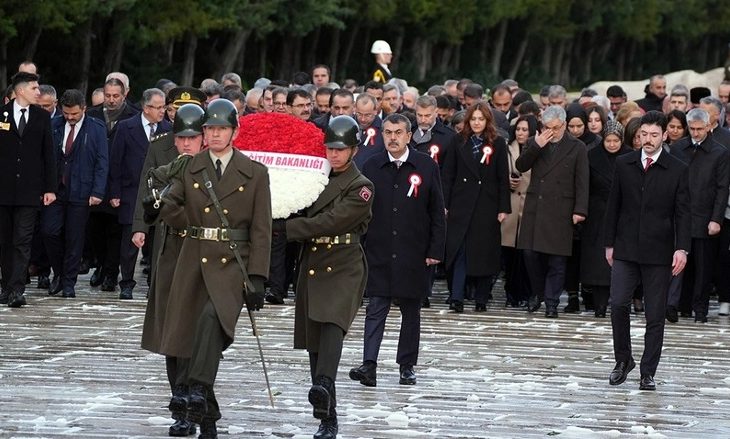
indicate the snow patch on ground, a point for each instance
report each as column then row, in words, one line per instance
column 397, row 419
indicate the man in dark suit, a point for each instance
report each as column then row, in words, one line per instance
column 371, row 140
column 27, row 178
column 709, row 177
column 342, row 102
column 713, row 107
column 557, row 199
column 128, row 153
column 431, row 136
column 647, row 237
column 401, row 247
column 82, row 168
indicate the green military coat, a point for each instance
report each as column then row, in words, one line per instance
column 331, row 276
column 207, row 270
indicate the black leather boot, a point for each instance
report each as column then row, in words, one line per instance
column 208, row 430
column 182, row 428
column 321, row 396
column 328, row 427
column 573, row 303
column 179, row 402
column 197, row 403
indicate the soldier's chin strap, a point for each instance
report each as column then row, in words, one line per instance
column 247, row 282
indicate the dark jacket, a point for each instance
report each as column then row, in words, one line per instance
column 380, row 74
column 128, row 152
column 648, row 214
column 405, row 229
column 161, row 152
column 650, row 102
column 475, row 193
column 558, row 189
column 86, row 169
column 721, row 135
column 27, row 163
column 709, row 176
column 375, row 144
column 443, row 141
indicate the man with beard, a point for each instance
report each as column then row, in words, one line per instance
column 299, row 104
column 342, row 102
column 431, row 136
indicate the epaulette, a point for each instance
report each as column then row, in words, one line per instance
column 159, row 136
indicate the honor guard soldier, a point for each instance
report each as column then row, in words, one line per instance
column 223, row 202
column 383, row 57
column 188, row 140
column 333, row 269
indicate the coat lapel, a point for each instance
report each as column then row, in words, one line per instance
column 333, row 189
column 230, row 182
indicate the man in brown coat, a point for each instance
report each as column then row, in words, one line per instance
column 333, row 270
column 209, row 287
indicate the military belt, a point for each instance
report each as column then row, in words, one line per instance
column 176, row 232
column 347, row 238
column 217, row 234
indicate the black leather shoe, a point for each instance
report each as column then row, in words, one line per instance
column 55, row 286
column 178, row 401
column 44, row 282
column 573, row 305
column 534, row 303
column 181, row 428
column 108, row 284
column 69, row 292
column 320, row 396
column 551, row 312
column 126, row 294
column 95, row 279
column 4, row 297
column 407, row 375
column 638, row 306
column 671, row 314
column 327, row 428
column 620, row 372
column 480, row 307
column 647, row 383
column 366, row 373
column 197, row 404
column 274, row 299
column 457, row 306
column 600, row 311
column 426, row 303
column 16, row 300
column 208, row 429
column 700, row 318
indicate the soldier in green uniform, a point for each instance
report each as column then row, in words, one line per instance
column 223, row 202
column 188, row 140
column 333, row 268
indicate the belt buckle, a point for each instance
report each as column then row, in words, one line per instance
column 183, row 233
column 336, row 240
column 224, row 235
column 194, row 232
column 211, row 234
column 347, row 238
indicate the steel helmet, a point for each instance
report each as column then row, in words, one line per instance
column 222, row 113
column 188, row 121
column 380, row 46
column 342, row 132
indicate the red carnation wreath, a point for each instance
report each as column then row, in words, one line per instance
column 294, row 152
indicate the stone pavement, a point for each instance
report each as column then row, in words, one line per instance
column 73, row 368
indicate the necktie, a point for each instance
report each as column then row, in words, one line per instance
column 218, row 169
column 21, row 124
column 69, row 141
column 649, row 161
column 397, row 163
column 152, row 130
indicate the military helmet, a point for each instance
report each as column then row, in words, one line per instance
column 222, row 113
column 188, row 121
column 342, row 132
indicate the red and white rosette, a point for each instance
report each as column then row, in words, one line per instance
column 487, row 152
column 294, row 153
column 434, row 150
column 415, row 180
column 370, row 133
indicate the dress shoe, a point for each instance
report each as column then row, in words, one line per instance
column 321, row 396
column 4, row 297
column 69, row 292
column 16, row 300
column 700, row 318
column 407, row 375
column 208, row 429
column 44, row 282
column 426, row 303
column 551, row 312
column 96, row 279
column 84, row 267
column 366, row 373
column 600, row 311
column 182, row 428
column 126, row 294
column 647, row 383
column 480, row 307
column 671, row 314
column 108, row 284
column 55, row 286
column 274, row 299
column 620, row 372
column 638, row 306
column 197, row 403
column 457, row 306
column 534, row 303
column 724, row 309
column 573, row 305
column 327, row 428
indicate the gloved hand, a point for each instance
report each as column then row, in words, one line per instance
column 177, row 167
column 150, row 211
column 255, row 299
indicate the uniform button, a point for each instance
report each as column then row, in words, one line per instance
column 395, row 209
column 395, row 232
column 329, row 246
column 17, row 175
column 311, row 272
column 18, row 160
column 395, row 185
column 204, row 260
column 196, row 185
column 542, row 181
column 314, row 249
column 394, row 256
column 329, row 269
column 206, row 210
column 480, row 182
column 240, row 188
column 225, row 211
column 224, row 260
column 465, row 180
column 539, row 197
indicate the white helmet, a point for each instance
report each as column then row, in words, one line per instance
column 380, row 46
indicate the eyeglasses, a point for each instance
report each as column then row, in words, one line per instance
column 300, row 106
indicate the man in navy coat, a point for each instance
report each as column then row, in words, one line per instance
column 371, row 141
column 128, row 152
column 406, row 237
column 27, row 179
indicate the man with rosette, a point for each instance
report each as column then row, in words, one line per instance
column 406, row 238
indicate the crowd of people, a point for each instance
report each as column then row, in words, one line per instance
column 462, row 183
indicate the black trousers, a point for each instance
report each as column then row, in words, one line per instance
column 547, row 275
column 105, row 235
column 16, row 235
column 516, row 284
column 625, row 276
column 410, row 329
column 127, row 257
column 38, row 254
column 326, row 360
column 207, row 352
column 63, row 226
column 691, row 290
column 277, row 281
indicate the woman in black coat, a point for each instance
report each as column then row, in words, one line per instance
column 595, row 272
column 477, row 198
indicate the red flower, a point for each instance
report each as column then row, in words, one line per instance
column 277, row 132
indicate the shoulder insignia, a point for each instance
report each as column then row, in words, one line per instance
column 159, row 136
column 365, row 193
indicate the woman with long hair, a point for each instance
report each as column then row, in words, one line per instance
column 676, row 126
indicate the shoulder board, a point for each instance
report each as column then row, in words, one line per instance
column 159, row 136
